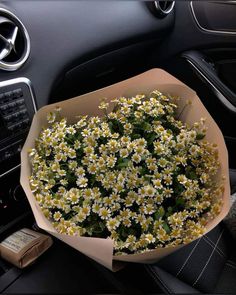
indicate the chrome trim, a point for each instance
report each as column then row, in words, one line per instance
column 29, row 84
column 11, row 144
column 21, row 80
column 217, row 92
column 161, row 11
column 230, row 2
column 12, row 66
column 208, row 30
column 9, row 171
column 14, row 193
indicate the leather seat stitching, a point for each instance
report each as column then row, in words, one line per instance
column 231, row 262
column 218, row 250
column 187, row 259
column 231, row 265
column 208, row 260
column 159, row 280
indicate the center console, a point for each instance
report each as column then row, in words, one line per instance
column 17, row 107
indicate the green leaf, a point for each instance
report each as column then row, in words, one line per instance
column 193, row 175
column 152, row 137
column 96, row 228
column 179, row 201
column 144, row 171
column 159, row 213
column 166, row 227
column 131, row 231
column 135, row 136
column 146, row 126
column 170, row 209
column 92, row 179
column 148, row 177
column 71, row 178
column 102, row 225
column 200, row 136
column 110, row 125
column 122, row 163
column 123, row 232
column 178, row 189
column 90, row 230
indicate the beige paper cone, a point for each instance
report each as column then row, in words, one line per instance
column 101, row 250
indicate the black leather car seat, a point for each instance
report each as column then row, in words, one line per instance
column 207, row 265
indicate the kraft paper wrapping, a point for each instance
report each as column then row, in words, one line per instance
column 101, row 250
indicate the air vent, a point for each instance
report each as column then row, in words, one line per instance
column 14, row 41
column 163, row 8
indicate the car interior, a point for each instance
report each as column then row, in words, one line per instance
column 55, row 50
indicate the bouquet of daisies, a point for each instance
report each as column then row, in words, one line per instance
column 135, row 173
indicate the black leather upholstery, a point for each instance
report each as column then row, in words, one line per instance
column 199, row 265
column 207, row 265
column 232, row 174
column 168, row 283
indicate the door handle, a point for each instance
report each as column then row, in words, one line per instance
column 208, row 74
